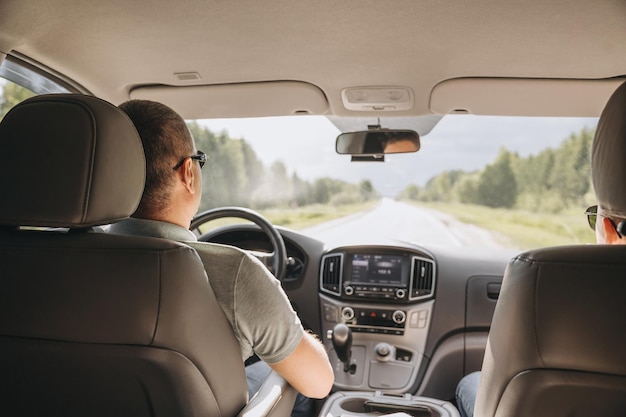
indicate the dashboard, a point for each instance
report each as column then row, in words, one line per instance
column 419, row 315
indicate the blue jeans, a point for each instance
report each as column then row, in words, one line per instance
column 466, row 394
column 256, row 375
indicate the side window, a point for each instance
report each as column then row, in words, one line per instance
column 11, row 94
column 18, row 81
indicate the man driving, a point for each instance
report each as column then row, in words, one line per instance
column 253, row 300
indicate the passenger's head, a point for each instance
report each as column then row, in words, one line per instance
column 608, row 169
column 170, row 194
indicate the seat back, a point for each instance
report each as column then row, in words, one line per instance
column 92, row 323
column 556, row 344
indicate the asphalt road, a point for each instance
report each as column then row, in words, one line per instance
column 393, row 220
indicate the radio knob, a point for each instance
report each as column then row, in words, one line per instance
column 400, row 293
column 398, row 316
column 348, row 290
column 347, row 313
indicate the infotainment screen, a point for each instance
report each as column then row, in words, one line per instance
column 378, row 270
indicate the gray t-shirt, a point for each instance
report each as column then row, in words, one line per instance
column 255, row 304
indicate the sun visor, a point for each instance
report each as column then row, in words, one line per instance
column 522, row 97
column 260, row 99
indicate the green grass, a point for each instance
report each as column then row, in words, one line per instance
column 302, row 217
column 298, row 218
column 524, row 229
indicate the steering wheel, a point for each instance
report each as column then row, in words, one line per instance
column 276, row 261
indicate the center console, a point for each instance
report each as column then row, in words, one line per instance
column 385, row 297
column 377, row 304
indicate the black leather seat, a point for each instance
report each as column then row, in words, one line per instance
column 556, row 344
column 94, row 324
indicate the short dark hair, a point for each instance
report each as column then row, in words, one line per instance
column 166, row 139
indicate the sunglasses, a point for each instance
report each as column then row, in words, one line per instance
column 592, row 216
column 592, row 219
column 200, row 156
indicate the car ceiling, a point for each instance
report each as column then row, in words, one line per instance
column 485, row 57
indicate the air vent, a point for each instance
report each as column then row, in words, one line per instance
column 423, row 279
column 330, row 275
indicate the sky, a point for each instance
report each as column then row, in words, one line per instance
column 305, row 144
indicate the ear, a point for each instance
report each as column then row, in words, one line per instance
column 189, row 176
column 610, row 233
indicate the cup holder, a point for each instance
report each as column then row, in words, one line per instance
column 353, row 405
column 377, row 404
column 366, row 407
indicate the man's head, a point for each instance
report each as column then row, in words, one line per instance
column 608, row 169
column 173, row 179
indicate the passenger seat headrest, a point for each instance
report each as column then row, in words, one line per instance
column 608, row 155
column 68, row 160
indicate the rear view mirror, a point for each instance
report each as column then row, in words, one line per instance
column 377, row 142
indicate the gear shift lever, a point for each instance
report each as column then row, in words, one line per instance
column 342, row 342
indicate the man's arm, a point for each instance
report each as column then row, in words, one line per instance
column 307, row 368
column 267, row 324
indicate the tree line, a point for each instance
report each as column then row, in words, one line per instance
column 236, row 176
column 550, row 180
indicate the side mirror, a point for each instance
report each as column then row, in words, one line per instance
column 377, row 142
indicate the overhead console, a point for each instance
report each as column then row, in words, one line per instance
column 376, row 304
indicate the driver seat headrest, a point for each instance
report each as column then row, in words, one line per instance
column 69, row 160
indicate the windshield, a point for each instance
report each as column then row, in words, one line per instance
column 512, row 182
column 506, row 182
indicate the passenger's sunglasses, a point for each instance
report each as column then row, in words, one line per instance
column 592, row 218
column 200, row 156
